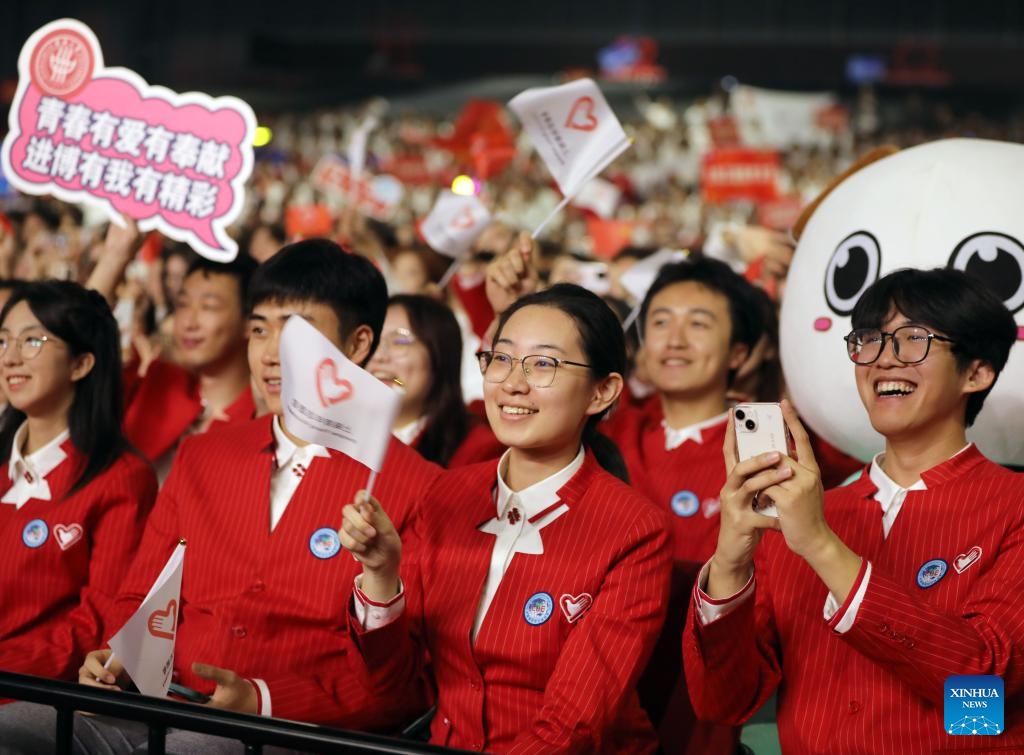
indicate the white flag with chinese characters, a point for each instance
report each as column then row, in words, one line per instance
column 145, row 644
column 454, row 224
column 330, row 400
column 573, row 129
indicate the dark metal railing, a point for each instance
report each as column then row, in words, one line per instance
column 160, row 715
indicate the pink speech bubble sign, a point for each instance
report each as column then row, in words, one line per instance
column 86, row 133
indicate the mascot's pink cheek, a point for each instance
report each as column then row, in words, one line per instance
column 1020, row 332
column 824, row 323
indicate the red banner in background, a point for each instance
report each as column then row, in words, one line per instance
column 739, row 174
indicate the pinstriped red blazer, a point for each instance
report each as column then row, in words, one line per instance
column 161, row 407
column 559, row 685
column 62, row 562
column 262, row 603
column 879, row 687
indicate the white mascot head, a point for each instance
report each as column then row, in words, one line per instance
column 953, row 203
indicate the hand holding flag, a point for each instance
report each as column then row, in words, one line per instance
column 145, row 644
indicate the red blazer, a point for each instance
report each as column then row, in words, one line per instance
column 478, row 445
column 879, row 687
column 686, row 483
column 63, row 562
column 263, row 603
column 161, row 407
column 559, row 685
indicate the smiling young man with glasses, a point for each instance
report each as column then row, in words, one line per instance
column 872, row 594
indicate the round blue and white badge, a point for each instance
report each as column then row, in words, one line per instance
column 538, row 608
column 35, row 533
column 325, row 543
column 685, row 503
column 931, row 572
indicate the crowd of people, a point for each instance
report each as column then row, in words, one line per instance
column 564, row 551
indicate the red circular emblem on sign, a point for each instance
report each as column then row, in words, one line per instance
column 62, row 63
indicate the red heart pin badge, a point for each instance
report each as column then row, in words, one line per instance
column 329, row 387
column 67, row 535
column 581, row 116
column 162, row 622
column 962, row 562
column 574, row 606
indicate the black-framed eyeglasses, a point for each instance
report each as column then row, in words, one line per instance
column 910, row 344
column 28, row 346
column 538, row 369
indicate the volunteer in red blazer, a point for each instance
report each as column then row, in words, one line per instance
column 872, row 594
column 73, row 497
column 537, row 585
column 421, row 355
column 262, row 620
column 205, row 382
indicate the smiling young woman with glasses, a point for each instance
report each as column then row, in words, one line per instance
column 555, row 571
column 73, row 496
column 420, row 355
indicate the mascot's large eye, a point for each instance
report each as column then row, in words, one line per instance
column 853, row 267
column 997, row 260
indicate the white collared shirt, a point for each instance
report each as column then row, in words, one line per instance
column 28, row 473
column 675, row 438
column 519, row 518
column 408, row 433
column 292, row 464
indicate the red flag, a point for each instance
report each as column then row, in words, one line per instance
column 609, row 237
column 482, row 141
column 307, row 221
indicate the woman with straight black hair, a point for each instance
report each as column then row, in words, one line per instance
column 74, row 496
column 420, row 354
column 537, row 586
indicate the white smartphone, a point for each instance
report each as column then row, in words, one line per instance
column 760, row 429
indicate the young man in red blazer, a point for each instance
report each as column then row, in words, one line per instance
column 207, row 383
column 262, row 623
column 868, row 597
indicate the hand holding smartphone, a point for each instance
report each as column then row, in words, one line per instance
column 186, row 693
column 760, row 429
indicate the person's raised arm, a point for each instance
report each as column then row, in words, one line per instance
column 119, row 248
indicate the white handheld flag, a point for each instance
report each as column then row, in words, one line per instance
column 454, row 224
column 357, row 146
column 639, row 278
column 145, row 644
column 573, row 129
column 329, row 400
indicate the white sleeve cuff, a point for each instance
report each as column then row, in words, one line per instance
column 263, row 693
column 373, row 615
column 709, row 609
column 850, row 615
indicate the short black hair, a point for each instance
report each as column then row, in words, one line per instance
column 955, row 304
column 747, row 323
column 240, row 268
column 320, row 271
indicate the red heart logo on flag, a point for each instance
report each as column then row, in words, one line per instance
column 464, row 219
column 68, row 535
column 581, row 117
column 329, row 387
column 575, row 606
column 162, row 623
